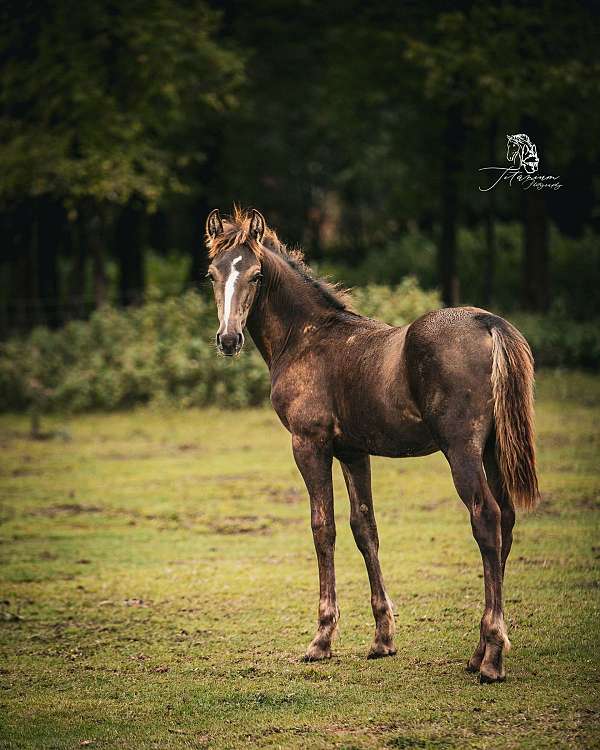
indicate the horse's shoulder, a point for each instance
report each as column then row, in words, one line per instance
column 301, row 398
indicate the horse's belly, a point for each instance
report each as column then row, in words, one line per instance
column 396, row 433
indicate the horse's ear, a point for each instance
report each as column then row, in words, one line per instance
column 214, row 225
column 258, row 225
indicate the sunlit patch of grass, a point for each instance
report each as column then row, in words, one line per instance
column 159, row 587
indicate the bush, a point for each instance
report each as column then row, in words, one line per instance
column 163, row 353
column 397, row 305
column 557, row 341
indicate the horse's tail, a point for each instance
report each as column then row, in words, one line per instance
column 512, row 390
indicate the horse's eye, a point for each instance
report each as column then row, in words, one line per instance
column 256, row 278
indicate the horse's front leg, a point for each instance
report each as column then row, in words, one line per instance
column 314, row 460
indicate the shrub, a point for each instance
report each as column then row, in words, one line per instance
column 395, row 305
column 557, row 341
column 163, row 353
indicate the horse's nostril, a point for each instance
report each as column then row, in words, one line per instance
column 240, row 340
column 229, row 343
column 218, row 339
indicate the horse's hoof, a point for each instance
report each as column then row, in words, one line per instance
column 474, row 664
column 379, row 651
column 487, row 676
column 317, row 654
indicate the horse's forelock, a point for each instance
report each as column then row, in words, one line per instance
column 236, row 232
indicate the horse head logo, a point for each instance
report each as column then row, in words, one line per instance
column 522, row 152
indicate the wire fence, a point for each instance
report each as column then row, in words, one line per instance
column 19, row 315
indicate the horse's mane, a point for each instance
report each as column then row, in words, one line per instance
column 236, row 232
column 520, row 139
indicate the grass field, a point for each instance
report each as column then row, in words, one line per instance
column 159, row 587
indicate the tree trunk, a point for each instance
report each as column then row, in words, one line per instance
column 96, row 238
column 535, row 280
column 198, row 253
column 77, row 277
column 535, row 292
column 453, row 138
column 50, row 226
column 24, row 278
column 158, row 230
column 489, row 272
column 130, row 252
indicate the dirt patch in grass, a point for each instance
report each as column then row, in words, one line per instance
column 249, row 524
column 70, row 509
column 199, row 522
column 588, row 503
column 287, row 496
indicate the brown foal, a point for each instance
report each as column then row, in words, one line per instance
column 459, row 380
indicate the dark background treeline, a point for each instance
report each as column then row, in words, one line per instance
column 357, row 128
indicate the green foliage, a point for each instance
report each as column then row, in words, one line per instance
column 95, row 96
column 168, row 272
column 459, row 60
column 395, row 305
column 412, row 254
column 574, row 268
column 557, row 341
column 161, row 352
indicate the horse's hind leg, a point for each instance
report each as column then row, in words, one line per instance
column 486, row 522
column 507, row 507
column 507, row 522
column 357, row 474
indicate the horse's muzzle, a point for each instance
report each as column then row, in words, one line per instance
column 230, row 343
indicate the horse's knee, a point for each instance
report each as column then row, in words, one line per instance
column 323, row 531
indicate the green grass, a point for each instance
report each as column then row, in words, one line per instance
column 159, row 586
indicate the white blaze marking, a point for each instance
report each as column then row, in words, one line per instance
column 229, row 288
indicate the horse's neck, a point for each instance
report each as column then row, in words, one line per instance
column 285, row 307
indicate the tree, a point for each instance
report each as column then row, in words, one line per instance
column 98, row 101
column 509, row 65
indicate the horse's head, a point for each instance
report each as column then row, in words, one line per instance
column 521, row 151
column 235, row 272
column 512, row 147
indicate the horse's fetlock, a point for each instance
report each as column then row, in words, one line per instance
column 495, row 632
column 329, row 614
column 381, row 607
